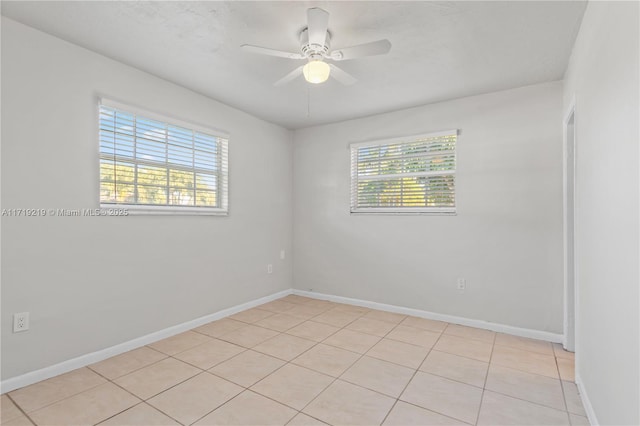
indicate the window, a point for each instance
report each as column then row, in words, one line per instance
column 414, row 174
column 155, row 164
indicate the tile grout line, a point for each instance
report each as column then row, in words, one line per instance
column 88, row 389
column 133, row 406
column 527, row 401
column 447, row 378
column 365, row 354
column 442, row 333
column 412, row 376
column 524, row 371
column 21, row 410
column 526, row 350
column 484, row 385
column 245, row 388
column 57, row 401
column 134, row 370
column 208, row 412
column 245, row 350
column 143, row 400
column 514, row 369
column 302, row 353
column 564, row 397
column 289, row 362
column 282, row 366
column 362, row 314
column 207, row 371
column 335, row 379
column 146, row 400
column 331, row 306
column 520, row 398
column 527, row 371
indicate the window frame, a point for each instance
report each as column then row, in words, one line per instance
column 355, row 210
column 155, row 209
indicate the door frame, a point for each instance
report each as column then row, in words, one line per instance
column 569, row 247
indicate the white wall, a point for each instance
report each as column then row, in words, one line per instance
column 506, row 239
column 603, row 77
column 89, row 282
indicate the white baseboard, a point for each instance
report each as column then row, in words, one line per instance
column 516, row 331
column 586, row 403
column 93, row 357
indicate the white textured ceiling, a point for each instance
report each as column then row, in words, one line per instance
column 441, row 50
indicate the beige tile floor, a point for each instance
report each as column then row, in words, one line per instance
column 301, row 361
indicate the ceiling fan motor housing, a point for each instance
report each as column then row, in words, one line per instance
column 314, row 50
column 315, row 46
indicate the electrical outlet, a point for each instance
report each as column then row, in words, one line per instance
column 20, row 322
column 462, row 284
column 269, row 269
column 282, row 254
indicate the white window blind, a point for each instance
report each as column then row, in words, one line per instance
column 158, row 164
column 414, row 174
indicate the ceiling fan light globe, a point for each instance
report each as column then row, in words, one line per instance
column 316, row 72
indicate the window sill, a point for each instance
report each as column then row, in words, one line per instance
column 137, row 210
column 407, row 212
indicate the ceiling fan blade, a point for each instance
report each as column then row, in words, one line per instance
column 318, row 22
column 342, row 76
column 271, row 52
column 289, row 77
column 379, row 47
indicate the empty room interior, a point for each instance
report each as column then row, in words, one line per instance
column 320, row 213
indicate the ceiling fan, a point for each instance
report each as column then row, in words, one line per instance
column 316, row 49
